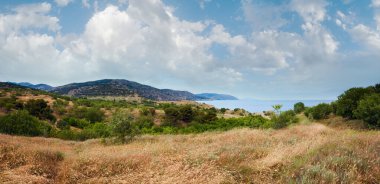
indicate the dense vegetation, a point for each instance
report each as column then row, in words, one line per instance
column 81, row 118
column 355, row 103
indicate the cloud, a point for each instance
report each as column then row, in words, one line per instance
column 146, row 42
column 86, row 3
column 269, row 49
column 263, row 16
column 148, row 37
column 366, row 36
column 376, row 3
column 202, row 3
column 62, row 3
column 27, row 17
column 311, row 11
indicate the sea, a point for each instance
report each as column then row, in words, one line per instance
column 261, row 105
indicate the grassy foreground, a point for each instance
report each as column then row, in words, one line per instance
column 309, row 153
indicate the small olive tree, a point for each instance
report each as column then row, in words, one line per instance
column 369, row 110
column 124, row 127
column 299, row 107
column 277, row 108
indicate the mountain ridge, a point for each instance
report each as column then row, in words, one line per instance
column 44, row 87
column 124, row 88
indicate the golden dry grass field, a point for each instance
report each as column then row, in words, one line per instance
column 306, row 153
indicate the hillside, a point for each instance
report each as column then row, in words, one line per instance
column 119, row 87
column 311, row 153
column 44, row 87
column 215, row 96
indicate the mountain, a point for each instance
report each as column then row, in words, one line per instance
column 44, row 87
column 10, row 85
column 120, row 87
column 215, row 96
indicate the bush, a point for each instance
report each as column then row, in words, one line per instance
column 96, row 130
column 94, row 115
column 67, row 134
column 348, row 101
column 172, row 115
column 61, row 124
column 91, row 114
column 206, row 115
column 144, row 122
column 369, row 110
column 79, row 123
column 284, row 119
column 22, row 123
column 186, row 113
column 40, row 109
column 10, row 103
column 321, row 111
column 59, row 106
column 124, row 127
column 148, row 111
column 299, row 107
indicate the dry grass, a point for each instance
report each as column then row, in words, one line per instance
column 311, row 153
column 27, row 97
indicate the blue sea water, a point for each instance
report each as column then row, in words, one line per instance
column 261, row 105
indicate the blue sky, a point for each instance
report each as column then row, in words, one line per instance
column 260, row 49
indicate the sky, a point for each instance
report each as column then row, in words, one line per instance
column 257, row 49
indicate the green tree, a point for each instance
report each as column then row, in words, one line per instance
column 348, row 101
column 277, row 108
column 94, row 115
column 284, row 119
column 96, row 130
column 299, row 107
column 91, row 114
column 321, row 111
column 172, row 115
column 369, row 110
column 186, row 113
column 40, row 109
column 22, row 123
column 124, row 127
column 62, row 124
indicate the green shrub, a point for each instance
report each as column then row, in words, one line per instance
column 67, row 134
column 186, row 113
column 348, row 101
column 206, row 115
column 62, row 124
column 172, row 115
column 10, row 103
column 223, row 110
column 299, row 107
column 96, row 130
column 369, row 110
column 59, row 106
column 321, row 111
column 40, row 109
column 22, row 123
column 124, row 127
column 91, row 114
column 148, row 111
column 144, row 122
column 284, row 119
column 79, row 123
